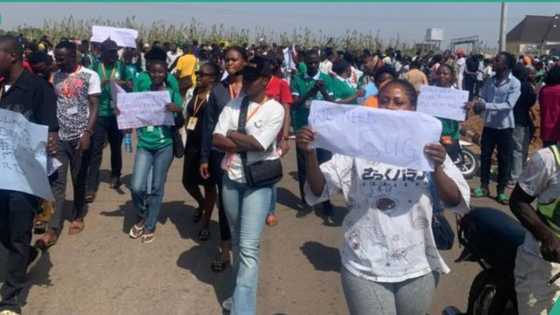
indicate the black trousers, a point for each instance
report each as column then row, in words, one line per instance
column 17, row 211
column 105, row 128
column 77, row 161
column 502, row 140
column 216, row 172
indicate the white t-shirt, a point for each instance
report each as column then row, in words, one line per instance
column 387, row 233
column 540, row 179
column 264, row 122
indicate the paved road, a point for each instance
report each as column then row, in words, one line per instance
column 102, row 271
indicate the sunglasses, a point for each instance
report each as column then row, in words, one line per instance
column 204, row 74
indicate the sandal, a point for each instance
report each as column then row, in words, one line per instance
column 197, row 215
column 136, row 231
column 204, row 235
column 76, row 227
column 219, row 264
column 47, row 241
column 90, row 197
column 148, row 237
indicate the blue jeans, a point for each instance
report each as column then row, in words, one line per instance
column 148, row 202
column 521, row 140
column 246, row 209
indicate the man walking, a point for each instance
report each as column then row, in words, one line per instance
column 21, row 92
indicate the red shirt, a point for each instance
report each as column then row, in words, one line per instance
column 279, row 90
column 549, row 100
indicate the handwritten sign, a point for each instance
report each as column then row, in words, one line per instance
column 124, row 37
column 23, row 155
column 393, row 137
column 141, row 109
column 443, row 102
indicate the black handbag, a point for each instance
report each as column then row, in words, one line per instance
column 178, row 145
column 263, row 173
column 443, row 233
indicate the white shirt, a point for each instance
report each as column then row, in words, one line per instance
column 263, row 123
column 387, row 233
column 461, row 63
column 326, row 67
column 540, row 179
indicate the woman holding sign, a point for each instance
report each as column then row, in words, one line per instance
column 154, row 154
column 391, row 263
column 445, row 78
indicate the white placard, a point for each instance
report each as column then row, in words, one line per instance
column 23, row 155
column 443, row 102
column 393, row 137
column 141, row 109
column 124, row 37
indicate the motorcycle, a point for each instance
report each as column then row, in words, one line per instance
column 491, row 238
column 468, row 163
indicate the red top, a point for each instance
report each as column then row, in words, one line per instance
column 27, row 66
column 279, row 90
column 549, row 100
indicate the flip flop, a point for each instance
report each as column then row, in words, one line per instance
column 76, row 227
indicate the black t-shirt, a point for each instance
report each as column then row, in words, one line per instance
column 34, row 98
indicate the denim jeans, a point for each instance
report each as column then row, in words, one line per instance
column 17, row 211
column 105, row 128
column 148, row 202
column 409, row 297
column 78, row 162
column 521, row 139
column 246, row 209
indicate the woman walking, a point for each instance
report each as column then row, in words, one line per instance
column 207, row 76
column 154, row 154
column 390, row 260
column 247, row 201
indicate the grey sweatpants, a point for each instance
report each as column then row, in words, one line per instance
column 410, row 297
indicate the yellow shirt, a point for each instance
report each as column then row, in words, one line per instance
column 186, row 67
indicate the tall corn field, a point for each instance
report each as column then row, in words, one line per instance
column 160, row 31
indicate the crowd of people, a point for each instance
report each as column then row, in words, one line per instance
column 236, row 109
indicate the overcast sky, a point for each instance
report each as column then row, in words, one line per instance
column 409, row 21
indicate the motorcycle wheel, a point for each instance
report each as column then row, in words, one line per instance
column 469, row 165
column 489, row 296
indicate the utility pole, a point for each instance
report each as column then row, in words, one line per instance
column 503, row 25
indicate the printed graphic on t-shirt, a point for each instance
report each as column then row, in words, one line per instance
column 72, row 103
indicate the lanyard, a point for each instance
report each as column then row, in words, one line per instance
column 252, row 113
column 2, row 91
column 198, row 105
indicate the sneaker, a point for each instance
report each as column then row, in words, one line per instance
column 502, row 198
column 480, row 192
column 227, row 304
column 136, row 231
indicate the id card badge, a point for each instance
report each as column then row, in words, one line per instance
column 150, row 128
column 191, row 125
column 72, row 110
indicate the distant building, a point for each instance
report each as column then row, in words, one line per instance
column 536, row 34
